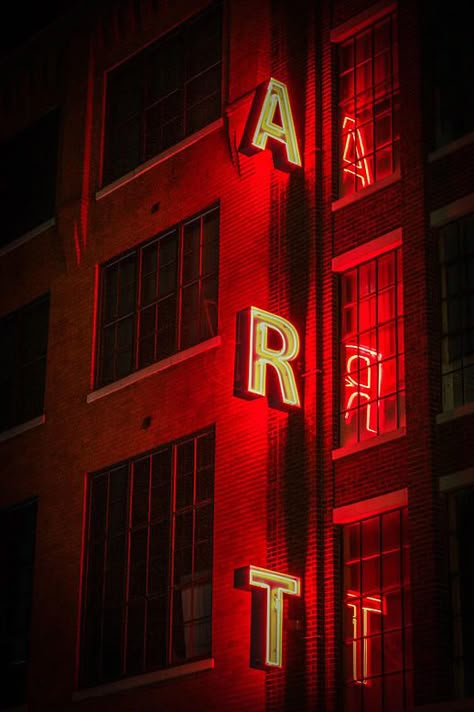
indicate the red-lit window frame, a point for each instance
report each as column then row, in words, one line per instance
column 148, row 562
column 456, row 250
column 372, row 376
column 368, row 106
column 159, row 298
column 377, row 625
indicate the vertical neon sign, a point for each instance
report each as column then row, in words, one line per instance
column 271, row 118
column 274, row 585
column 363, row 388
column 361, row 665
column 265, row 340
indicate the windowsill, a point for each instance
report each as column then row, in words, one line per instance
column 18, row 429
column 448, row 415
column 451, row 147
column 452, row 211
column 374, row 188
column 457, row 480
column 27, row 236
column 154, row 368
column 456, row 705
column 367, row 444
column 142, row 680
column 163, row 156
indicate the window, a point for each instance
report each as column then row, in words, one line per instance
column 461, row 534
column 165, row 93
column 23, row 346
column 28, row 178
column 148, row 562
column 368, row 109
column 457, row 307
column 372, row 391
column 159, row 298
column 376, row 614
column 17, row 549
column 451, row 61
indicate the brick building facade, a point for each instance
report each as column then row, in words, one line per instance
column 204, row 201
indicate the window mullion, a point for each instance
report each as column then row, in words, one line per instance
column 171, row 587
column 126, row 583
column 179, row 300
column 104, row 580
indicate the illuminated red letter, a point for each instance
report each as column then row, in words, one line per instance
column 361, row 657
column 354, row 152
column 274, row 585
column 363, row 388
column 257, row 328
column 282, row 131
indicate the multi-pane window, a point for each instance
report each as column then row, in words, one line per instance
column 457, row 310
column 148, row 562
column 376, row 615
column 461, row 565
column 17, row 550
column 159, row 298
column 23, row 346
column 372, row 385
column 28, row 169
column 368, row 108
column 168, row 91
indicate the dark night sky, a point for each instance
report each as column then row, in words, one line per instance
column 24, row 21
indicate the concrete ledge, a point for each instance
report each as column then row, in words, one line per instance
column 22, row 428
column 154, row 368
column 142, row 680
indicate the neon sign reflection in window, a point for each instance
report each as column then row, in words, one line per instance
column 372, row 369
column 377, row 631
column 361, row 644
column 354, row 153
column 363, row 382
column 369, row 105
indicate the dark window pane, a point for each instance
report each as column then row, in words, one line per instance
column 17, row 551
column 147, row 315
column 147, row 564
column 135, row 638
column 24, row 337
column 28, row 168
column 456, row 242
column 163, row 94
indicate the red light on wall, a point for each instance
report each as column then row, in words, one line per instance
column 267, row 611
column 361, row 643
column 271, row 118
column 354, row 152
column 265, row 340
